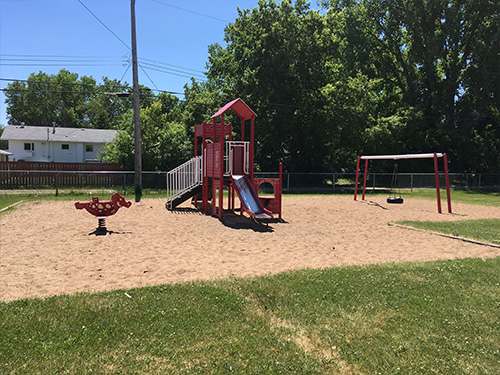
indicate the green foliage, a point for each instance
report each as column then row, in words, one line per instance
column 70, row 101
column 358, row 77
column 370, row 76
column 165, row 144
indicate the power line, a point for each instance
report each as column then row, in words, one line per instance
column 175, row 66
column 82, row 58
column 108, row 87
column 191, row 11
column 54, row 83
column 171, row 71
column 75, row 64
column 126, row 70
column 82, row 92
column 56, row 60
column 147, row 75
column 102, row 23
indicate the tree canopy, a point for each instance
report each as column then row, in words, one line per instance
column 356, row 77
column 367, row 76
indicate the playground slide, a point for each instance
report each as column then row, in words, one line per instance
column 249, row 197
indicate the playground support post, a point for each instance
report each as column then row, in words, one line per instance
column 281, row 189
column 364, row 178
column 357, row 174
column 448, row 197
column 221, row 166
column 436, row 172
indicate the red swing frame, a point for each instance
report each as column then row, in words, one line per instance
column 434, row 155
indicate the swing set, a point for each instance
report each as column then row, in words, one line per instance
column 398, row 200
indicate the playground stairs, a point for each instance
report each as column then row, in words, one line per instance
column 184, row 182
column 173, row 203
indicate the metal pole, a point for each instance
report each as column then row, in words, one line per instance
column 436, row 172
column 364, row 179
column 356, row 185
column 137, row 113
column 448, row 197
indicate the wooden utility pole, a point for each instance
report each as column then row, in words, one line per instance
column 137, row 112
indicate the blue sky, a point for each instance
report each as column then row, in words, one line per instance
column 47, row 35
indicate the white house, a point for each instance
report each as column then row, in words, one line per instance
column 54, row 144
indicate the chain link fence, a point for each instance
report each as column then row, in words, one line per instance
column 295, row 183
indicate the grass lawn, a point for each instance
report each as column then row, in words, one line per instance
column 482, row 198
column 412, row 318
column 415, row 318
column 483, row 229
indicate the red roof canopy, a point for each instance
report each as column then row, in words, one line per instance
column 239, row 107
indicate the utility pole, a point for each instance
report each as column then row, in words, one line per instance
column 137, row 112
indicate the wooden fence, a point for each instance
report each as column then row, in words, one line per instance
column 34, row 175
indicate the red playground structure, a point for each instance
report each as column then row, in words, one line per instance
column 224, row 163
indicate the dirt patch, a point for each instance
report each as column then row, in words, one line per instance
column 46, row 249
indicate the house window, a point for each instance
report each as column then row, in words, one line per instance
column 89, row 148
column 65, row 146
column 29, row 146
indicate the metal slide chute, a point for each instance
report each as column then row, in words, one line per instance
column 249, row 198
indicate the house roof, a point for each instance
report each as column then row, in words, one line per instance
column 69, row 135
column 3, row 152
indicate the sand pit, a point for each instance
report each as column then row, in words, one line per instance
column 46, row 249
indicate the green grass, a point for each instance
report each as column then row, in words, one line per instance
column 415, row 318
column 483, row 229
column 482, row 198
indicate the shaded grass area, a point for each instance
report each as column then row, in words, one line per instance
column 414, row 318
column 482, row 229
column 483, row 198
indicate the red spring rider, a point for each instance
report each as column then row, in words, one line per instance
column 101, row 210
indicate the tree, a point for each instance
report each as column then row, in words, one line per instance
column 43, row 99
column 275, row 61
column 70, row 100
column 439, row 60
column 165, row 143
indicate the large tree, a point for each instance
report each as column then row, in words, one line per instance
column 367, row 76
column 276, row 61
column 165, row 143
column 438, row 60
column 70, row 100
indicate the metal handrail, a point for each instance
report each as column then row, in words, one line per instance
column 184, row 177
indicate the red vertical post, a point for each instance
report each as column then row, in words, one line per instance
column 364, row 179
column 195, row 155
column 448, row 197
column 232, row 198
column 436, row 172
column 281, row 190
column 221, row 172
column 204, row 174
column 252, row 137
column 357, row 173
column 242, row 130
column 214, row 187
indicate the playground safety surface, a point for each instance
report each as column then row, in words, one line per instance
column 46, row 249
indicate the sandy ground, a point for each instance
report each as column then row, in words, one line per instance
column 46, row 249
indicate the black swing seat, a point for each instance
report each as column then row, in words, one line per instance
column 395, row 200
